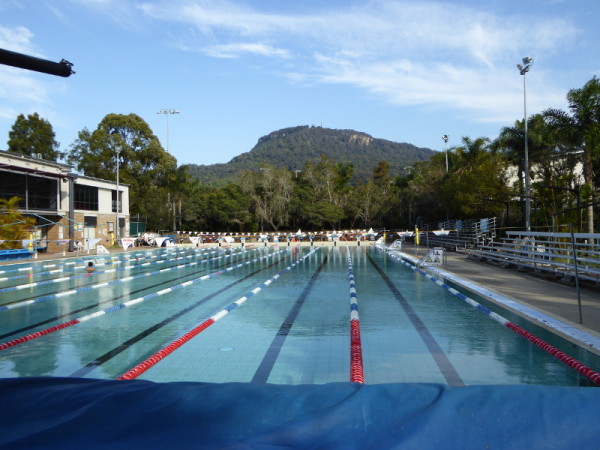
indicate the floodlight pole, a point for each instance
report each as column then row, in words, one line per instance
column 117, row 222
column 166, row 112
column 445, row 138
column 523, row 69
column 117, row 147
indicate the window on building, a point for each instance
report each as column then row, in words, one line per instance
column 36, row 193
column 86, row 197
column 114, row 201
column 13, row 185
column 41, row 193
column 90, row 221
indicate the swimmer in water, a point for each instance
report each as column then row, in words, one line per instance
column 90, row 266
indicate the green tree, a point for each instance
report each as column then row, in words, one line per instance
column 229, row 209
column 330, row 182
column 271, row 191
column 511, row 143
column 312, row 211
column 143, row 164
column 180, row 185
column 580, row 130
column 13, row 225
column 477, row 174
column 368, row 200
column 33, row 135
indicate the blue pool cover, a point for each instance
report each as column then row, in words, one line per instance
column 84, row 413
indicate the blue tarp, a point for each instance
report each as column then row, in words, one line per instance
column 84, row 413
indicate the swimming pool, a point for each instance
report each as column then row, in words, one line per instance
column 280, row 315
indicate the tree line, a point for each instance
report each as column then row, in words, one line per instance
column 482, row 178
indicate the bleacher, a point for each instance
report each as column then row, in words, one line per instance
column 461, row 234
column 548, row 253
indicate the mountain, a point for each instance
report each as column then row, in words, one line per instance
column 292, row 147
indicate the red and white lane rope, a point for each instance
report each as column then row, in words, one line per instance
column 166, row 351
column 558, row 354
column 356, row 362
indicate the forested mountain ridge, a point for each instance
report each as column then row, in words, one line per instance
column 293, row 147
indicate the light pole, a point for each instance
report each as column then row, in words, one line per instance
column 166, row 112
column 118, row 151
column 445, row 138
column 118, row 203
column 523, row 69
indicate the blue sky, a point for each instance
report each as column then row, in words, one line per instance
column 403, row 70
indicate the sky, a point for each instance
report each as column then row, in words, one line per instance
column 236, row 70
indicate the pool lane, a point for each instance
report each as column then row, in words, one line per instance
column 266, row 365
column 84, row 371
column 446, row 367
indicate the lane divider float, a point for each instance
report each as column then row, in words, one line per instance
column 99, row 262
column 61, row 294
column 112, row 258
column 356, row 362
column 118, row 269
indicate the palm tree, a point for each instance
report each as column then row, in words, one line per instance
column 511, row 142
column 470, row 153
column 580, row 130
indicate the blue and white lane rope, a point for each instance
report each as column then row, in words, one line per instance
column 103, row 260
column 356, row 362
column 165, row 351
column 589, row 373
column 118, row 269
column 44, row 298
column 37, row 334
column 112, row 262
column 113, row 258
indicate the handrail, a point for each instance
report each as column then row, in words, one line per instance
column 554, row 234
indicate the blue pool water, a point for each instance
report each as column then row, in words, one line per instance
column 295, row 330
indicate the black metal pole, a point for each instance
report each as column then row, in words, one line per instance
column 14, row 59
column 576, row 274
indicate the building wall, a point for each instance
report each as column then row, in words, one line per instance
column 54, row 225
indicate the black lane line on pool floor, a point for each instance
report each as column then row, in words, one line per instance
column 266, row 365
column 178, row 280
column 450, row 374
column 128, row 343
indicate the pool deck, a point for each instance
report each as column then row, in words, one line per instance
column 551, row 298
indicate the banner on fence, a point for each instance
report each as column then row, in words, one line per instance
column 127, row 242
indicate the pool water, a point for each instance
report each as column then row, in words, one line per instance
column 291, row 327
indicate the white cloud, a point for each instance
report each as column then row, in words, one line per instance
column 17, row 39
column 235, row 50
column 439, row 55
column 433, row 54
column 17, row 85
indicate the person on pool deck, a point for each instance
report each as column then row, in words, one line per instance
column 90, row 266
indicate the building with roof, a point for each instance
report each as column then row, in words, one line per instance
column 69, row 210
